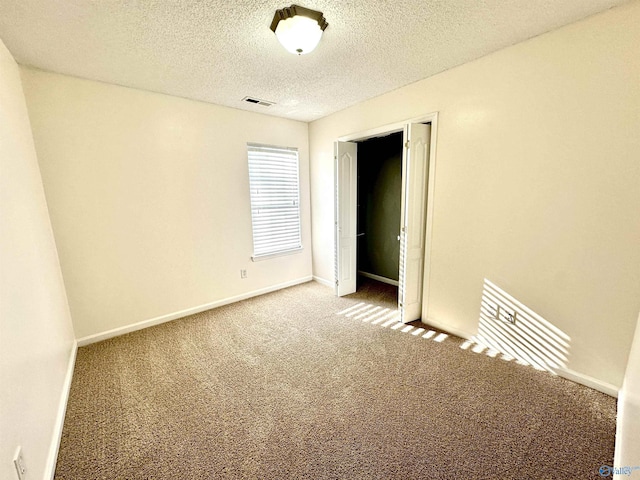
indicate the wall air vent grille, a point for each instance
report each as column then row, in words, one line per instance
column 257, row 101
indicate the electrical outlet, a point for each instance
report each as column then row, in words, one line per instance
column 18, row 461
column 505, row 315
column 243, row 273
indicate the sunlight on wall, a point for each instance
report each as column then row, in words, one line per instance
column 510, row 328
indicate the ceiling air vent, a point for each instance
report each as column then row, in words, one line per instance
column 257, row 101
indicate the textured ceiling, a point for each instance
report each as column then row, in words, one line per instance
column 221, row 51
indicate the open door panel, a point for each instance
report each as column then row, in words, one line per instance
column 415, row 168
column 346, row 171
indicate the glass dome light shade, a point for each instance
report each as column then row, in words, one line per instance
column 299, row 34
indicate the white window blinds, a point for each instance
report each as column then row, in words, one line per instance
column 275, row 199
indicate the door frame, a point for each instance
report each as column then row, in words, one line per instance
column 431, row 118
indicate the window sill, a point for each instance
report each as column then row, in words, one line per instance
column 267, row 256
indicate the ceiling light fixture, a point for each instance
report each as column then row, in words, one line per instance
column 298, row 29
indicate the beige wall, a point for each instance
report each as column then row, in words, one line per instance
column 36, row 335
column 149, row 198
column 537, row 183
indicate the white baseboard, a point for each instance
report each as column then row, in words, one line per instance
column 98, row 337
column 52, row 458
column 322, row 281
column 588, row 381
column 447, row 329
column 373, row 276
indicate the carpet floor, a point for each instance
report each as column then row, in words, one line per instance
column 302, row 384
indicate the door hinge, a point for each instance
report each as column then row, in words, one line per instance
column 337, row 283
column 407, row 144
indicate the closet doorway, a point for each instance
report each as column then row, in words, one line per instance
column 378, row 208
column 413, row 230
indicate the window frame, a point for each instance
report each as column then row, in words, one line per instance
column 252, row 163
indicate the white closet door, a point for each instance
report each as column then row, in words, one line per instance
column 415, row 169
column 346, row 171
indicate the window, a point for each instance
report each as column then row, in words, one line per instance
column 275, row 199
